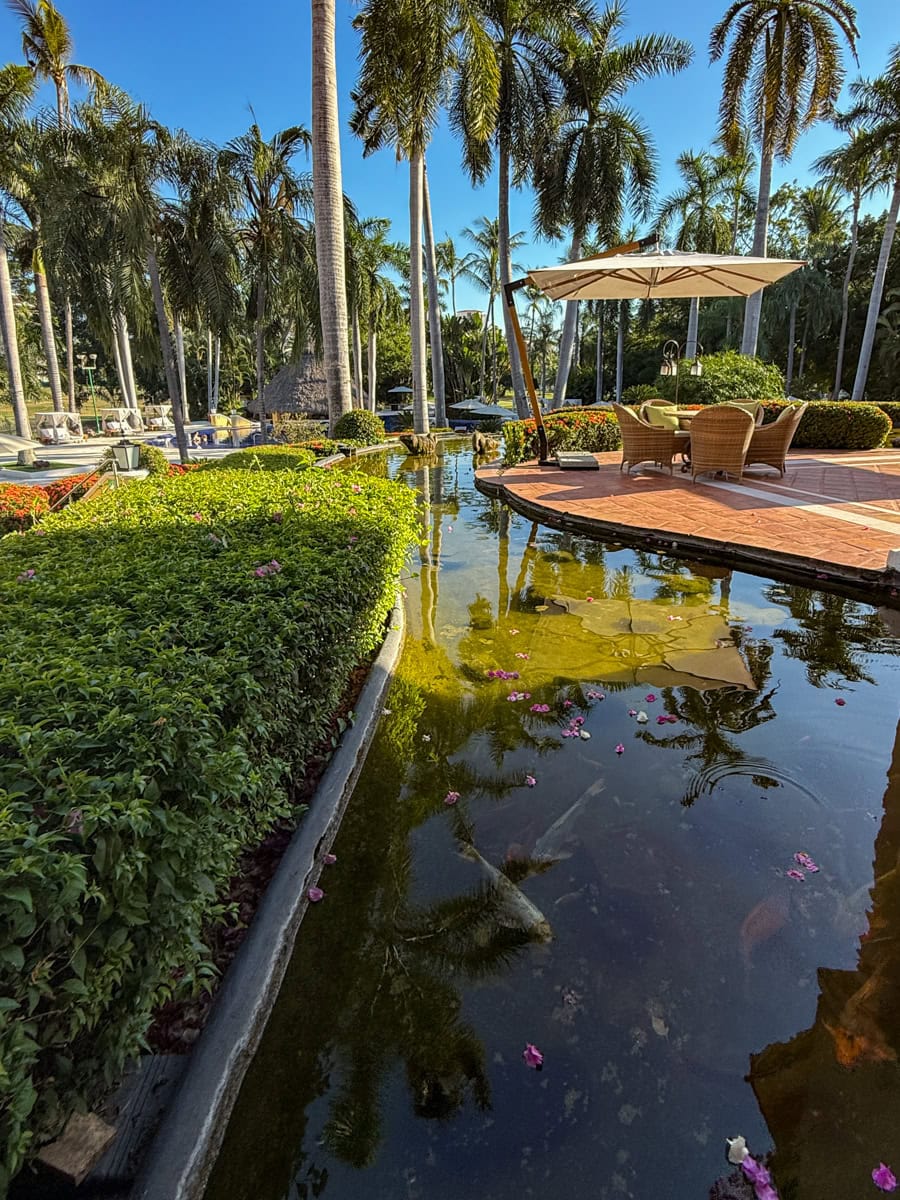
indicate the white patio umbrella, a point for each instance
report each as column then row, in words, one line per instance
column 399, row 390
column 11, row 443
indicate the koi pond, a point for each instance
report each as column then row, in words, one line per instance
column 619, row 880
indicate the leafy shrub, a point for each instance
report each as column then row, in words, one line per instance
column 591, row 430
column 174, row 652
column 639, row 392
column 892, row 408
column 726, row 376
column 299, row 430
column 844, row 425
column 150, row 458
column 21, row 506
column 360, row 425
column 265, row 458
column 490, row 425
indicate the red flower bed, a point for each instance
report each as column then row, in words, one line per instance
column 60, row 488
column 183, row 468
column 21, row 506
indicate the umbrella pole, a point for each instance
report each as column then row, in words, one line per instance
column 509, row 290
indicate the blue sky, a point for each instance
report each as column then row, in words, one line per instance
column 200, row 64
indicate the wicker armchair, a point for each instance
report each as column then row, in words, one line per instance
column 770, row 443
column 642, row 442
column 755, row 408
column 720, row 436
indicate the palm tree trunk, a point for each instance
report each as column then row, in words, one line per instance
column 165, row 342
column 209, row 370
column 42, row 296
column 494, row 381
column 484, row 337
column 601, row 322
column 328, row 205
column 515, row 367
column 11, row 341
column 690, row 345
column 567, row 337
column 792, row 337
column 70, row 356
column 416, row 300
column 620, row 349
column 845, row 299
column 179, row 360
column 371, row 363
column 117, row 358
column 753, row 305
column 804, row 343
column 261, row 356
column 434, row 311
column 357, row 358
column 218, row 363
column 453, row 290
column 120, row 329
column 884, row 254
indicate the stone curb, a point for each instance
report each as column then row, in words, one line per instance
column 790, row 568
column 184, row 1150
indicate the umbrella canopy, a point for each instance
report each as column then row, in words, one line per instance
column 394, row 390
column 476, row 409
column 664, row 275
column 12, row 444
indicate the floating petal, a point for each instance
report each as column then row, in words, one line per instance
column 883, row 1177
column 532, row 1057
column 315, row 894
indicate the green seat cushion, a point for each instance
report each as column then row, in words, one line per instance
column 665, row 418
column 751, row 406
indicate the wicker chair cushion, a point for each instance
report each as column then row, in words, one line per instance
column 664, row 418
column 750, row 406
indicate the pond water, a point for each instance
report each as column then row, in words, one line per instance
column 630, row 914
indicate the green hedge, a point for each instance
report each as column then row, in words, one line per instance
column 174, row 652
column 845, row 425
column 892, row 408
column 360, row 425
column 266, row 458
column 594, row 431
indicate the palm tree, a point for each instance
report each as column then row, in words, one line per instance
column 860, row 176
column 509, row 80
column 47, row 44
column 405, row 46
column 449, row 266
column 434, row 309
column 328, row 204
column 699, row 206
column 784, row 70
column 482, row 266
column 16, row 90
column 271, row 193
column 877, row 112
column 595, row 155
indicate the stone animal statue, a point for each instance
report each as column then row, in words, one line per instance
column 419, row 443
column 484, row 443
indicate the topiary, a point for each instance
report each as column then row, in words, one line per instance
column 362, row 426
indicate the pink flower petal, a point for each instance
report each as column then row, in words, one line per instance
column 451, row 797
column 632, row 712
column 315, row 894
column 884, row 1178
column 620, row 749
column 532, row 1056
column 840, row 703
column 329, row 859
column 530, row 781
column 650, row 697
column 795, row 874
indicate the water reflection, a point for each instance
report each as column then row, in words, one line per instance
column 630, row 912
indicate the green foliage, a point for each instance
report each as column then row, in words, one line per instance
column 171, row 665
column 593, row 430
column 726, row 376
column 582, row 384
column 20, row 506
column 892, row 408
column 150, row 458
column 490, row 425
column 362, row 426
column 639, row 392
column 274, row 457
column 298, row 429
column 848, row 425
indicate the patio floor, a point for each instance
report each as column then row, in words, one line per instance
column 834, row 515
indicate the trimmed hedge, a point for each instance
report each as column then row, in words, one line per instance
column 175, row 650
column 360, row 425
column 844, row 425
column 892, row 408
column 20, row 506
column 265, row 458
column 594, row 431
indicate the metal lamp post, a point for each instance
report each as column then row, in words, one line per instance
column 672, row 354
column 127, row 455
column 88, row 364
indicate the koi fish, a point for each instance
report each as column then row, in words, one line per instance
column 762, row 923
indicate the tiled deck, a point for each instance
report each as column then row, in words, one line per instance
column 833, row 515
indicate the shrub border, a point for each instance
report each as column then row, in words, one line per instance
column 184, row 1151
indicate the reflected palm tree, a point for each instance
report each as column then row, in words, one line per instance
column 835, row 635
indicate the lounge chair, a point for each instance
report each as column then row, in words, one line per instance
column 642, row 442
column 720, row 437
column 770, row 443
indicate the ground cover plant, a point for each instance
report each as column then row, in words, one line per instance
column 175, row 650
column 275, row 457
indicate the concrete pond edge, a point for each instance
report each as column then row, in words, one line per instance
column 182, row 1155
column 861, row 582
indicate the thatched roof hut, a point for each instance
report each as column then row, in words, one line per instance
column 298, row 389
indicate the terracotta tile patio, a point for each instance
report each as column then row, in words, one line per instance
column 833, row 515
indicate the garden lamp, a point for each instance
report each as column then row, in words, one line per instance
column 127, row 455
